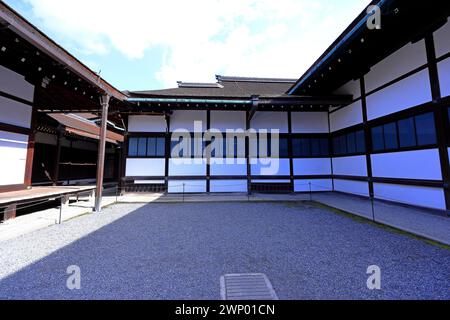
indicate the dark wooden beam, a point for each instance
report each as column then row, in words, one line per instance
column 30, row 149
column 57, row 156
column 291, row 150
column 254, row 108
column 208, row 159
column 367, row 137
column 440, row 117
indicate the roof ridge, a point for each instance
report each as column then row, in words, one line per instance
column 221, row 78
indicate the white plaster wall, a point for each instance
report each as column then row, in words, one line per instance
column 145, row 168
column 442, row 40
column 317, row 185
column 193, row 167
column 13, row 155
column 352, row 87
column 420, row 196
column 319, row 166
column 227, row 186
column 281, row 167
column 184, row 119
column 310, row 122
column 147, row 124
column 15, row 113
column 237, row 168
column 410, row 92
column 15, row 84
column 396, row 65
column 350, row 166
column 223, row 120
column 354, row 187
column 270, row 120
column 346, row 117
column 423, row 164
column 444, row 77
column 190, row 186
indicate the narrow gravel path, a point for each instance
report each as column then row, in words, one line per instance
column 179, row 251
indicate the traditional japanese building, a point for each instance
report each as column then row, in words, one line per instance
column 370, row 118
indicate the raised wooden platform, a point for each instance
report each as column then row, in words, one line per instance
column 10, row 200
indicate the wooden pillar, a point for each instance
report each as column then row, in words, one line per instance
column 10, row 212
column 208, row 156
column 101, row 153
column 440, row 117
column 167, row 152
column 30, row 150
column 367, row 136
column 247, row 154
column 331, row 150
column 291, row 150
column 57, row 157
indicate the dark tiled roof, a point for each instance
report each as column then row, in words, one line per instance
column 226, row 87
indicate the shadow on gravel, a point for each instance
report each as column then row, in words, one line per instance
column 179, row 251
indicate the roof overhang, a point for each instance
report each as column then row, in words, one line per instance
column 359, row 48
column 85, row 128
column 15, row 22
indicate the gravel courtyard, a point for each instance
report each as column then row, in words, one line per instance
column 179, row 251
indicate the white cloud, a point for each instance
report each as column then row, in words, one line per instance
column 276, row 38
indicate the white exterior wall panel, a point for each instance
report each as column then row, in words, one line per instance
column 420, row 165
column 350, row 88
column 304, row 167
column 310, row 122
column 420, row 196
column 277, row 167
column 359, row 188
column 182, row 168
column 13, row 154
column 350, row 166
column 346, row 117
column 444, row 77
column 145, row 168
column 228, row 186
column 15, row 113
column 225, row 120
column 15, row 84
column 190, row 186
column 237, row 168
column 184, row 120
column 317, row 185
column 442, row 40
column 147, row 124
column 270, row 120
column 399, row 63
column 405, row 94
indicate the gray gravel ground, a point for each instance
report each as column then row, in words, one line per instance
column 179, row 251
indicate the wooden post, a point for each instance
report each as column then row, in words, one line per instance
column 57, row 157
column 30, row 149
column 10, row 212
column 101, row 153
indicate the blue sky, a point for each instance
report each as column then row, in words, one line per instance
column 151, row 44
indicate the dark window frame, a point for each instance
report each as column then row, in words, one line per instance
column 159, row 137
column 341, row 138
column 399, row 147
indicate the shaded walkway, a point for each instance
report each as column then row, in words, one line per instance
column 426, row 223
